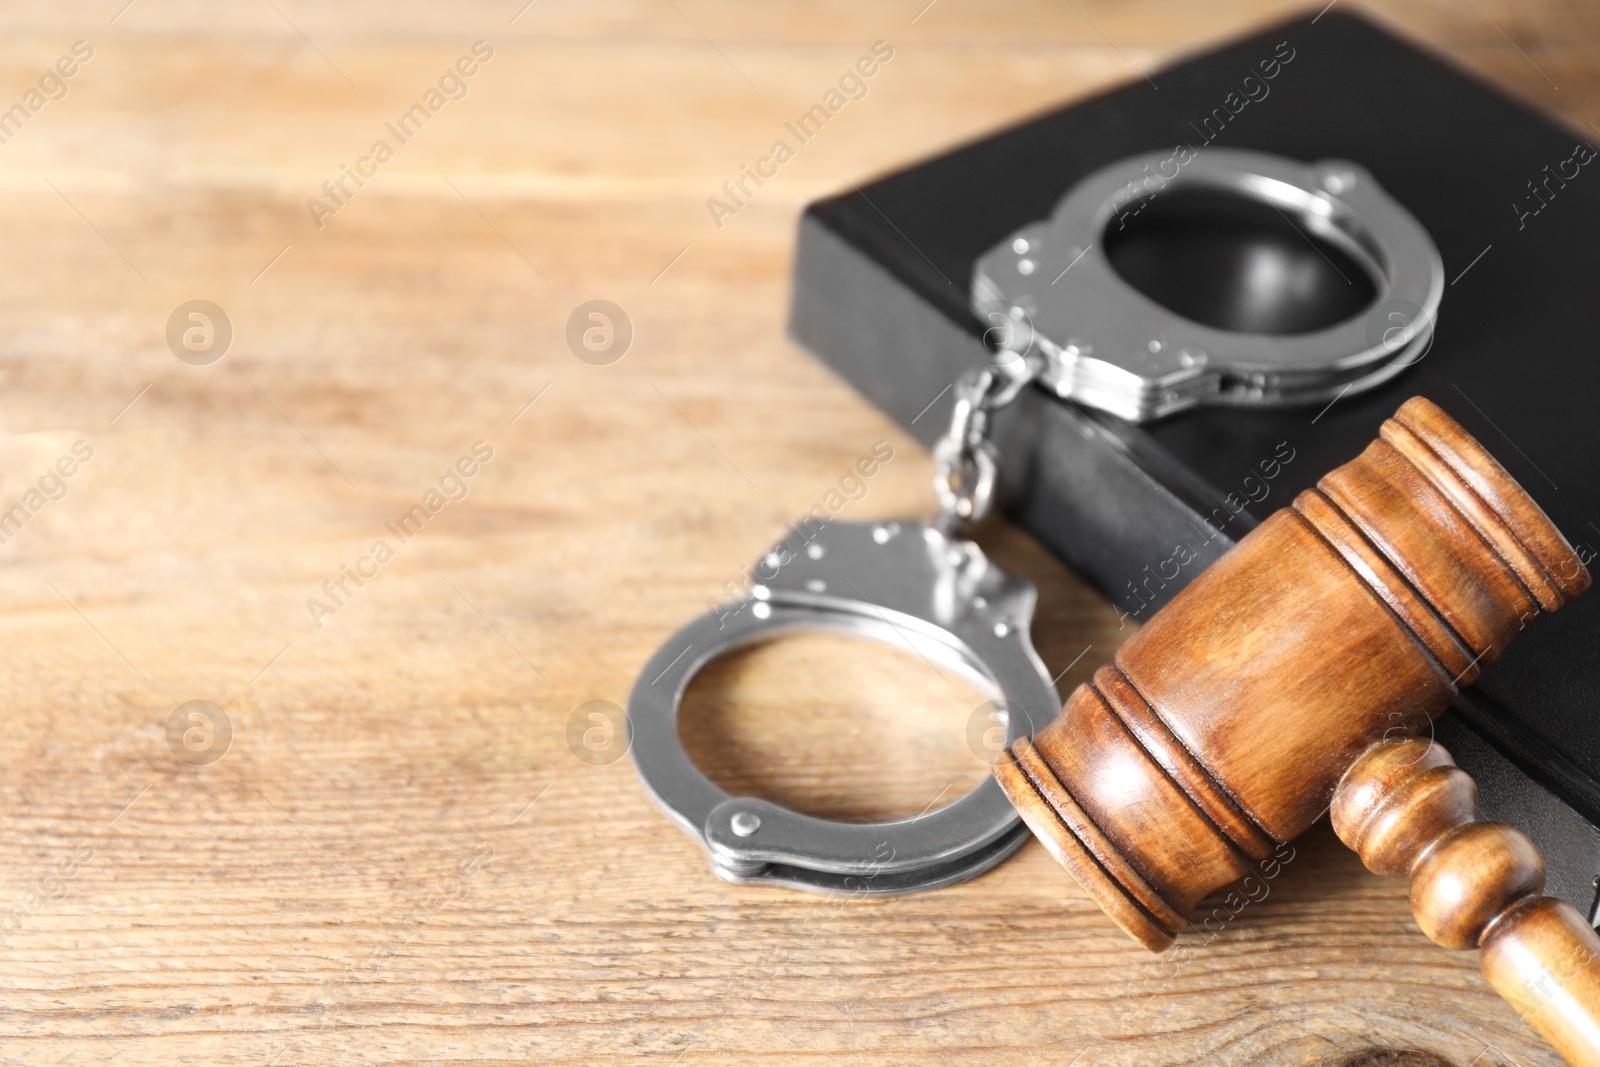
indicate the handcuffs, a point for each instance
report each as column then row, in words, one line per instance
column 924, row 588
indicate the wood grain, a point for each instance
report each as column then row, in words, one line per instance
column 1408, row 810
column 324, row 893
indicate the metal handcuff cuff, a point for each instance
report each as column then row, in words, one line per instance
column 925, row 588
column 915, row 586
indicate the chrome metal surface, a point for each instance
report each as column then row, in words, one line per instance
column 965, row 463
column 910, row 586
column 1108, row 345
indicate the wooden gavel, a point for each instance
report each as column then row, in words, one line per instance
column 1292, row 676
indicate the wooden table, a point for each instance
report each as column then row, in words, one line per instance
column 401, row 859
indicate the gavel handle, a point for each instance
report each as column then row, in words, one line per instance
column 1409, row 811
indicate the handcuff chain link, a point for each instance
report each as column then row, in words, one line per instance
column 965, row 460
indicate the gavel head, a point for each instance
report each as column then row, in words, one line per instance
column 1224, row 724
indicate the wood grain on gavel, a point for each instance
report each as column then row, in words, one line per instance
column 1408, row 810
column 1225, row 725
